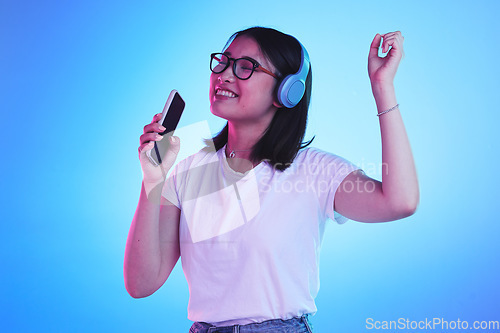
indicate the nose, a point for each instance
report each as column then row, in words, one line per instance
column 227, row 75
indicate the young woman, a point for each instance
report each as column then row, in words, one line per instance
column 247, row 215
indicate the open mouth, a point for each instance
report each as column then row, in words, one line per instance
column 225, row 93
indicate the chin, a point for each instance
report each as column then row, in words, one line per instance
column 216, row 111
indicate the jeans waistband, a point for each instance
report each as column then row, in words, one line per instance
column 265, row 326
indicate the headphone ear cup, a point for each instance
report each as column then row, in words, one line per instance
column 292, row 87
column 291, row 90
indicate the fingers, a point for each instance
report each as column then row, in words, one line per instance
column 394, row 40
column 146, row 138
column 394, row 33
column 156, row 117
column 145, row 147
column 390, row 39
column 151, row 135
column 154, row 126
column 171, row 155
column 148, row 141
column 374, row 46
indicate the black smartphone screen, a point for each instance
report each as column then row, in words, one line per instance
column 170, row 122
column 173, row 114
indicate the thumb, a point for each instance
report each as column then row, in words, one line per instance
column 171, row 155
column 374, row 46
column 175, row 144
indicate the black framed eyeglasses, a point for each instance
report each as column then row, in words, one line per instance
column 243, row 68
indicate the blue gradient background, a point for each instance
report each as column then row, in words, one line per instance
column 79, row 80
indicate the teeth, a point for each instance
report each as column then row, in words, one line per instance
column 226, row 93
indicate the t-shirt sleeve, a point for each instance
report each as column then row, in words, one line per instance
column 336, row 168
column 186, row 171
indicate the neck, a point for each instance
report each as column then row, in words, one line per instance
column 241, row 139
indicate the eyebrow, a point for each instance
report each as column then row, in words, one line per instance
column 227, row 53
column 244, row 57
column 247, row 57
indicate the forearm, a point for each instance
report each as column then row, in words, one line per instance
column 399, row 176
column 142, row 252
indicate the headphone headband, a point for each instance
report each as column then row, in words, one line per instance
column 293, row 86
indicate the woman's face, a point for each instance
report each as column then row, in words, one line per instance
column 244, row 101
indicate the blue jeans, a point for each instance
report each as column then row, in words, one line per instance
column 293, row 325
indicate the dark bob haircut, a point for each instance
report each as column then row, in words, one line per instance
column 284, row 137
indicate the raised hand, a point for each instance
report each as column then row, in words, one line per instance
column 382, row 70
column 156, row 174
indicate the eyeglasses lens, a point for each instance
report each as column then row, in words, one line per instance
column 243, row 68
column 218, row 63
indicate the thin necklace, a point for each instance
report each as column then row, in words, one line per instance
column 232, row 154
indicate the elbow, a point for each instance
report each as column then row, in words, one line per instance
column 403, row 207
column 137, row 293
column 408, row 207
column 410, row 210
column 406, row 201
column 413, row 203
column 132, row 291
column 135, row 290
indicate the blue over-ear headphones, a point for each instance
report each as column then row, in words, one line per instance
column 293, row 86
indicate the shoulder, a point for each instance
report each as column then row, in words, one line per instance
column 202, row 157
column 316, row 155
column 315, row 161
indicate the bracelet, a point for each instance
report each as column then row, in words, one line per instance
column 393, row 108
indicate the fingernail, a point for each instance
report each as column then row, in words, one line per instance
column 173, row 139
column 159, row 137
column 162, row 128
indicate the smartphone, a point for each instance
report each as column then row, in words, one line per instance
column 170, row 118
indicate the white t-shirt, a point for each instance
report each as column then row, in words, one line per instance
column 250, row 243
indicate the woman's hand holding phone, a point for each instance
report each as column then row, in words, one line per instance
column 154, row 175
